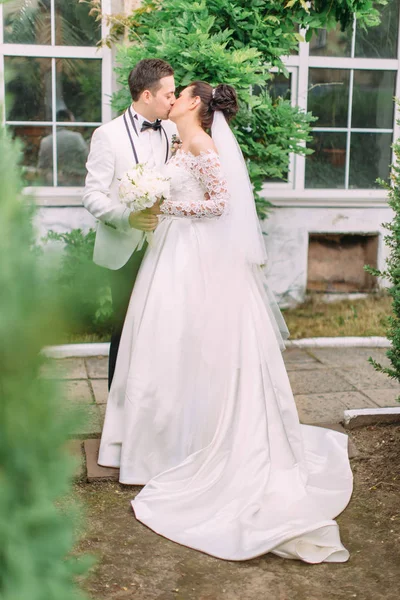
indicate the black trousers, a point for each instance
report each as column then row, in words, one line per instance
column 121, row 283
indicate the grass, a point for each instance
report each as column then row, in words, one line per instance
column 362, row 317
column 85, row 338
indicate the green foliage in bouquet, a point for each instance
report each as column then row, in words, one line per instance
column 235, row 42
column 35, row 469
column 392, row 270
column 82, row 285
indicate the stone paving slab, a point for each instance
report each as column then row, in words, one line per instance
column 100, row 390
column 315, row 409
column 355, row 399
column 320, row 408
column 89, row 421
column 298, row 359
column 77, row 391
column 306, row 366
column 298, row 355
column 313, row 406
column 382, row 397
column 318, row 381
column 65, row 368
column 367, row 378
column 95, row 472
column 97, row 367
column 348, row 357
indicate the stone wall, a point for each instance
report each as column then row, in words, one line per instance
column 287, row 240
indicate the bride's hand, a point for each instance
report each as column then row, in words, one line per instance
column 155, row 209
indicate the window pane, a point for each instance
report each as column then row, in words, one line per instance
column 370, row 157
column 279, row 86
column 27, row 22
column 72, row 151
column 328, row 96
column 373, row 105
column 331, row 43
column 381, row 41
column 79, row 88
column 35, row 140
column 28, row 88
column 326, row 167
column 74, row 26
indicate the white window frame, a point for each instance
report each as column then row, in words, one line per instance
column 289, row 184
column 296, row 194
column 53, row 195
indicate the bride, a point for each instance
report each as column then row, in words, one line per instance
column 200, row 410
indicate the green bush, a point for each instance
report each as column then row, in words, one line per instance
column 81, row 284
column 35, row 470
column 392, row 270
column 236, row 42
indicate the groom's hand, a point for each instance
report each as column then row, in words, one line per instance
column 143, row 220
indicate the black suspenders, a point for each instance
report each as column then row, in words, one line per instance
column 131, row 139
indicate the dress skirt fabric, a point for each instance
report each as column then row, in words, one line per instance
column 202, row 414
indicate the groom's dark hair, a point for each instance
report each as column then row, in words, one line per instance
column 146, row 75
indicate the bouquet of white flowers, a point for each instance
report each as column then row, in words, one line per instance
column 141, row 187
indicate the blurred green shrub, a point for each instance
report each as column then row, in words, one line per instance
column 36, row 536
column 82, row 285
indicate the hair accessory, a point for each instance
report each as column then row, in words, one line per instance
column 213, row 92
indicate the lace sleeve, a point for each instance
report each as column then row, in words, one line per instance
column 206, row 167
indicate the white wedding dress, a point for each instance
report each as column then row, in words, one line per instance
column 201, row 411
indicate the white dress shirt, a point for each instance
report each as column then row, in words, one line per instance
column 149, row 140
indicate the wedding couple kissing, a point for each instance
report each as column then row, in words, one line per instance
column 200, row 410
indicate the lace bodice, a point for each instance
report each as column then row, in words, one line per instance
column 198, row 187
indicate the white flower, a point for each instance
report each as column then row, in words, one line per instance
column 142, row 186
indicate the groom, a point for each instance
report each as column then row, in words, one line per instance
column 141, row 135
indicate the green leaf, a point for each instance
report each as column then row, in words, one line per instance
column 300, row 38
column 309, row 34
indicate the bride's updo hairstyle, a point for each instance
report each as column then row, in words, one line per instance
column 223, row 98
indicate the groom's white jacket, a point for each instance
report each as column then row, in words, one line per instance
column 111, row 155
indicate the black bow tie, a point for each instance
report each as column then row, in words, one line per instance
column 156, row 125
